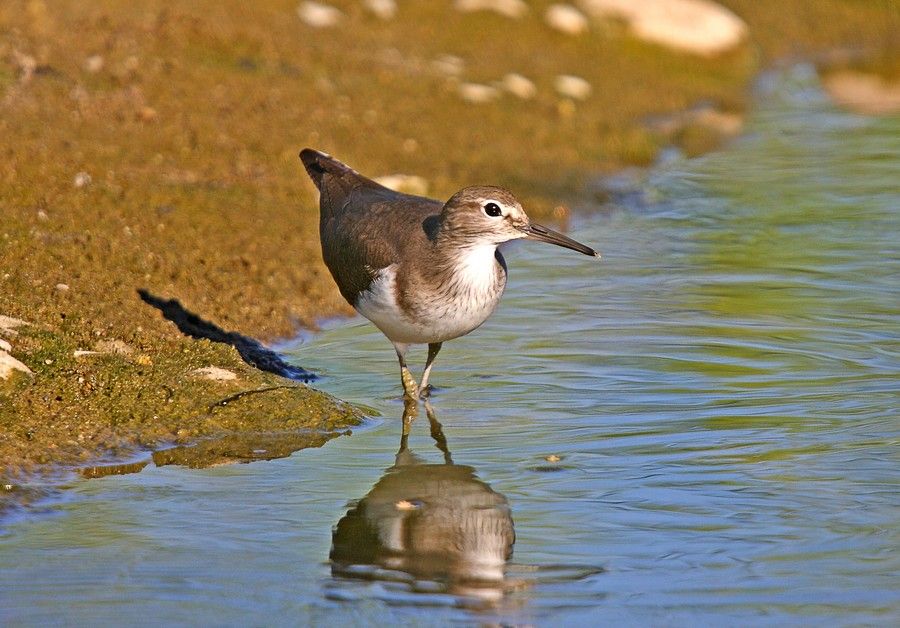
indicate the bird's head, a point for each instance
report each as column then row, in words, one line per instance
column 485, row 214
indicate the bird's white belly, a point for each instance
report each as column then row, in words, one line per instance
column 437, row 317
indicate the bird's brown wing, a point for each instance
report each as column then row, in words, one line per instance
column 364, row 226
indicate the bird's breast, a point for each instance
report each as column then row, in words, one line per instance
column 436, row 302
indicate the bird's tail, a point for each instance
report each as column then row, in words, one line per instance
column 319, row 164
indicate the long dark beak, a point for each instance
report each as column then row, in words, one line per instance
column 543, row 234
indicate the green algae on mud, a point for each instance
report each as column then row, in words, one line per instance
column 153, row 147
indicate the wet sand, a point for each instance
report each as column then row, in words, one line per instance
column 149, row 156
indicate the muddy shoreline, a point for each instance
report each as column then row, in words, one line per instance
column 150, row 159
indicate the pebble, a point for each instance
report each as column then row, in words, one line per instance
column 113, row 346
column 509, row 8
column 93, row 64
column 406, row 183
column 518, row 85
column 864, row 93
column 319, row 15
column 477, row 93
column 147, row 114
column 82, row 179
column 382, row 9
column 573, row 87
column 26, row 65
column 62, row 287
column 8, row 324
column 9, row 364
column 566, row 19
column 697, row 26
column 215, row 373
column 451, row 65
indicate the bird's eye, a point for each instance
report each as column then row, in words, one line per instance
column 493, row 210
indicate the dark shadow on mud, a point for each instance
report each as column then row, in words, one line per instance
column 252, row 351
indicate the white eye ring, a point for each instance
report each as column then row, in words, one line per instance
column 492, row 209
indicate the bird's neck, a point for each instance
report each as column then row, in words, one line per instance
column 466, row 266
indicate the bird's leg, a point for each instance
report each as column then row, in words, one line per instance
column 410, row 388
column 437, row 432
column 433, row 349
column 410, row 412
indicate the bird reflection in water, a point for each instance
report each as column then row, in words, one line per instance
column 428, row 524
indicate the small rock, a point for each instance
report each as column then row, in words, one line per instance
column 8, row 324
column 62, row 287
column 864, row 93
column 93, row 64
column 566, row 19
column 697, row 26
column 214, row 373
column 406, row 183
column 82, row 179
column 382, row 9
column 113, row 346
column 518, row 85
column 509, row 8
column 319, row 15
column 477, row 93
column 451, row 65
column 573, row 87
column 147, row 114
column 9, row 364
column 26, row 65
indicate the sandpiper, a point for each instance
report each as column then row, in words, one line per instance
column 422, row 271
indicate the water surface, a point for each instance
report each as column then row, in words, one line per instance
column 702, row 426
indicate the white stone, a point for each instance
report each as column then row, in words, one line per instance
column 566, row 19
column 697, row 26
column 573, row 87
column 864, row 93
column 382, row 9
column 319, row 15
column 215, row 373
column 82, row 179
column 9, row 364
column 406, row 183
column 8, row 324
column 477, row 93
column 93, row 64
column 450, row 65
column 510, row 8
column 518, row 85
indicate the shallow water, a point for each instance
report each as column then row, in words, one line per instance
column 721, row 390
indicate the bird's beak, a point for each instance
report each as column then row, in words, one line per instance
column 541, row 233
